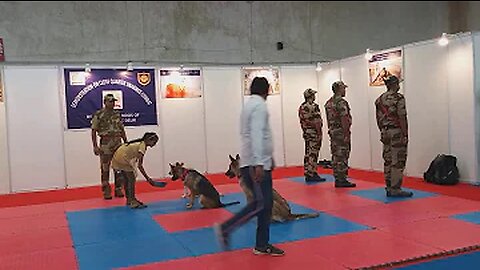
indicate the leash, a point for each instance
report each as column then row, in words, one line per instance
column 184, row 174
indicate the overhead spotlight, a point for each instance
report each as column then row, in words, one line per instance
column 130, row 66
column 88, row 69
column 368, row 54
column 443, row 41
column 319, row 67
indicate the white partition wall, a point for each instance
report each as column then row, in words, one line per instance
column 329, row 74
column 426, row 96
column 274, row 104
column 476, row 81
column 223, row 104
column 354, row 74
column 4, row 164
column 461, row 109
column 34, row 128
column 295, row 79
column 183, row 131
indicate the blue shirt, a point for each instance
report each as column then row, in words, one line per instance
column 256, row 134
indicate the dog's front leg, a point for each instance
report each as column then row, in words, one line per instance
column 192, row 198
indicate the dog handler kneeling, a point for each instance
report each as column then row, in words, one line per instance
column 125, row 161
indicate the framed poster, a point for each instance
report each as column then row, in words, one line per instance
column 385, row 64
column 271, row 74
column 134, row 91
column 181, row 83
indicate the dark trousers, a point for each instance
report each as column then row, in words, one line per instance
column 260, row 206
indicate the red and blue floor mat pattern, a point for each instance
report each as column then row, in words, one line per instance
column 357, row 228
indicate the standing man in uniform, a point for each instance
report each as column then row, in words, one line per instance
column 391, row 117
column 311, row 123
column 339, row 121
column 107, row 124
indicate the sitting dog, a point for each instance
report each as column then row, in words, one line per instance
column 281, row 211
column 198, row 186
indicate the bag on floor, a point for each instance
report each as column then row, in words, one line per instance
column 442, row 171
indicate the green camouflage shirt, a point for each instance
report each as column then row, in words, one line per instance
column 107, row 123
column 390, row 106
column 337, row 108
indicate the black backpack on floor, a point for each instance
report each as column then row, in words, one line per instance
column 442, row 171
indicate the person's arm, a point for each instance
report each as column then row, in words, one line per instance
column 344, row 112
column 258, row 123
column 96, row 149
column 142, row 170
column 402, row 115
column 124, row 135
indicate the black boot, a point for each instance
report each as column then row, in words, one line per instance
column 399, row 193
column 344, row 184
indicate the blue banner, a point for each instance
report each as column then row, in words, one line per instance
column 134, row 91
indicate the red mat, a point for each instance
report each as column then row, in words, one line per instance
column 9, row 200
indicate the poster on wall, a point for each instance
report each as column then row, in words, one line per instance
column 134, row 91
column 270, row 73
column 181, row 83
column 385, row 64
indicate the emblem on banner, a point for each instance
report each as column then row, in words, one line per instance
column 143, row 78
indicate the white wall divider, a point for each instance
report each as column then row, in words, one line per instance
column 295, row 80
column 461, row 105
column 476, row 81
column 183, row 131
column 34, row 128
column 426, row 96
column 274, row 103
column 223, row 104
column 4, row 163
column 355, row 75
column 329, row 74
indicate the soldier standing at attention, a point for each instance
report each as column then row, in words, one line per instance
column 339, row 122
column 311, row 123
column 391, row 117
column 107, row 124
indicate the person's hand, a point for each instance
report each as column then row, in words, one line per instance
column 257, row 173
column 97, row 151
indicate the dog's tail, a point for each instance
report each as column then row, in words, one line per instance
column 303, row 216
column 230, row 203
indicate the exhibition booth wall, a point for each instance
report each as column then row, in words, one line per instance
column 43, row 146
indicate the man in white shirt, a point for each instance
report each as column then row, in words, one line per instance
column 256, row 167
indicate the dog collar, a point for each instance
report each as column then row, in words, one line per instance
column 184, row 174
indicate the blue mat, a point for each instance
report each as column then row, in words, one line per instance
column 466, row 261
column 473, row 217
column 379, row 194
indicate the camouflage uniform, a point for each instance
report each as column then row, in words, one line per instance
column 109, row 127
column 311, row 123
column 390, row 107
column 337, row 108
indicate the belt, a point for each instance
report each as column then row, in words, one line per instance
column 391, row 127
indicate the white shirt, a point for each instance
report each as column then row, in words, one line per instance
column 256, row 135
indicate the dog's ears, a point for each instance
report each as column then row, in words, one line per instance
column 231, row 158
column 237, row 157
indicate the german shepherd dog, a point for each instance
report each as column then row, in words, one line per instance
column 281, row 211
column 198, row 186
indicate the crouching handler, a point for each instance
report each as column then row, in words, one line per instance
column 127, row 158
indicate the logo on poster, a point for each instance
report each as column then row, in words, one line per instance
column 143, row 78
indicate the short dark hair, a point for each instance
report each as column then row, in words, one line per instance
column 259, row 86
